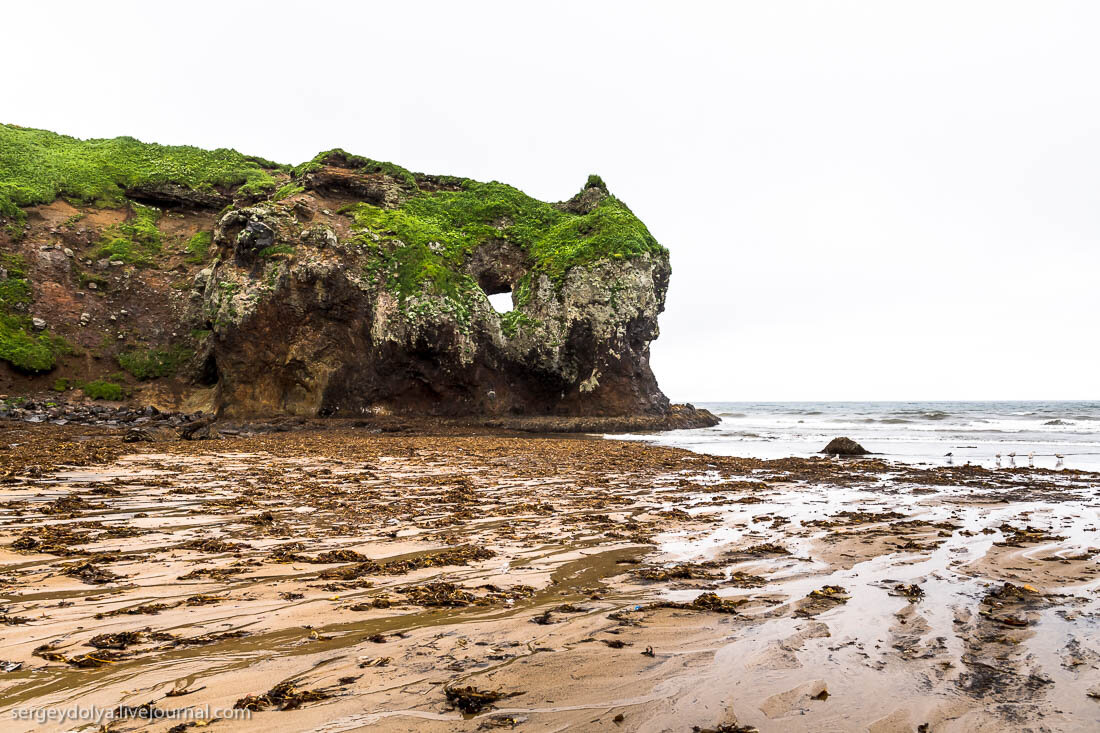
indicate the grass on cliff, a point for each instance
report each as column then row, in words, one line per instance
column 37, row 166
column 198, row 246
column 438, row 230
column 424, row 242
column 20, row 346
column 136, row 241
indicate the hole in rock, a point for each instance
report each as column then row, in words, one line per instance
column 501, row 302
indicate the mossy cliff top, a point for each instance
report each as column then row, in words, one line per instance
column 439, row 220
column 37, row 166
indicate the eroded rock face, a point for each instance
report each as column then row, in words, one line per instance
column 303, row 323
column 342, row 286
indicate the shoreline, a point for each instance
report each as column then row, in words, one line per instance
column 385, row 572
column 38, row 409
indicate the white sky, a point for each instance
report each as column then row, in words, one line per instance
column 872, row 200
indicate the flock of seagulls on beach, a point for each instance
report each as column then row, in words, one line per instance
column 950, row 456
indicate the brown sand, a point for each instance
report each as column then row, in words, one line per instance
column 570, row 575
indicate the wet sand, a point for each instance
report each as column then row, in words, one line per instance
column 341, row 580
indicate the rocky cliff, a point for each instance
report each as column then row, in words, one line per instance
column 340, row 287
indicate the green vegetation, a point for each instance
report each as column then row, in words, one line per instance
column 15, row 291
column 135, row 241
column 364, row 165
column 419, row 247
column 435, row 232
column 198, row 246
column 153, row 363
column 24, row 351
column 102, row 389
column 83, row 278
column 37, row 166
column 276, row 250
column 19, row 346
column 595, row 181
column 60, row 385
column 290, row 189
column 513, row 321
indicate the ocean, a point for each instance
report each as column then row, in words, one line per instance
column 911, row 432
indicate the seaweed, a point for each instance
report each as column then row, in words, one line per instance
column 146, row 711
column 705, row 602
column 684, row 571
column 821, row 600
column 913, row 591
column 117, row 640
column 89, row 573
column 471, row 701
column 439, row 594
column 91, row 660
column 453, row 556
column 283, row 696
column 213, row 545
column 147, row 609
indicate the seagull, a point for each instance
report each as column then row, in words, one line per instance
column 1031, row 460
column 998, row 460
column 1059, row 456
column 1012, row 459
column 949, row 457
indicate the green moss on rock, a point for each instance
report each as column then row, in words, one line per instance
column 417, row 243
column 290, row 189
column 338, row 156
column 430, row 235
column 198, row 246
column 136, row 241
column 24, row 351
column 276, row 250
column 514, row 321
column 37, row 166
column 20, row 346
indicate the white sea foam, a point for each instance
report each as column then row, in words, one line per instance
column 913, row 432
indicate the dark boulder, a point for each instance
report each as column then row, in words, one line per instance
column 844, row 447
column 201, row 429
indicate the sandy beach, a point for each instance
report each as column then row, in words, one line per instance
column 340, row 580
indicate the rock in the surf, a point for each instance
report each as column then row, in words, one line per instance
column 844, row 447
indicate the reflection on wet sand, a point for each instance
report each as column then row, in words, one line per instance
column 334, row 580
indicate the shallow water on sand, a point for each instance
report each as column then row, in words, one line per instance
column 878, row 646
column 595, row 584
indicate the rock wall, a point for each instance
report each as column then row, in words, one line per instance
column 185, row 278
column 310, row 335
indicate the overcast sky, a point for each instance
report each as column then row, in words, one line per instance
column 863, row 200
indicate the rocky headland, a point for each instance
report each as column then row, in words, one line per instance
column 212, row 281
